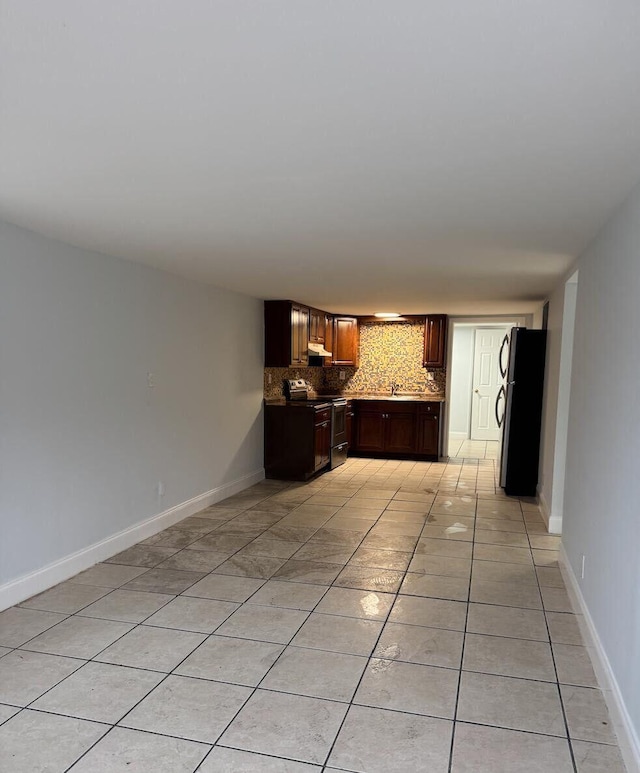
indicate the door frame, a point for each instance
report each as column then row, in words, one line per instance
column 495, row 320
column 553, row 511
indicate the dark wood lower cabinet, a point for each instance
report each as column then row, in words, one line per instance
column 403, row 429
column 400, row 432
column 297, row 440
column 429, row 433
column 369, row 430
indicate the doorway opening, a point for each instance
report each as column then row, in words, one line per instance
column 473, row 382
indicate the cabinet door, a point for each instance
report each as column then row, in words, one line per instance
column 322, row 445
column 429, row 434
column 435, row 341
column 299, row 335
column 317, row 322
column 345, row 341
column 370, row 431
column 400, row 432
column 327, row 362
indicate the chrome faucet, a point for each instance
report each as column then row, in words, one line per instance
column 394, row 388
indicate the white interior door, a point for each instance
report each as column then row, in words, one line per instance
column 486, row 383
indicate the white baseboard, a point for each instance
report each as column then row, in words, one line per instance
column 554, row 522
column 627, row 736
column 459, row 435
column 22, row 588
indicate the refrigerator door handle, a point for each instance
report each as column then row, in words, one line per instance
column 503, row 370
column 501, row 394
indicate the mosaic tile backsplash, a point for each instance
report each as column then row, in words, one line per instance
column 388, row 352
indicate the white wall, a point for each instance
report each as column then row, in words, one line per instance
column 602, row 488
column 461, row 377
column 83, row 439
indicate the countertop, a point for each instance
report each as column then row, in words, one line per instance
column 406, row 398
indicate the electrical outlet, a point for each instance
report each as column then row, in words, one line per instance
column 268, row 378
column 582, row 567
column 151, row 381
column 429, row 376
column 342, row 375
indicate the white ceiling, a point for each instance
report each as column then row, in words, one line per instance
column 412, row 155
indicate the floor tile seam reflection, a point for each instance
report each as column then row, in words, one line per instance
column 462, row 653
column 115, row 589
column 257, row 687
column 353, row 549
column 254, row 689
column 119, row 722
column 351, row 703
column 172, row 673
column 144, row 624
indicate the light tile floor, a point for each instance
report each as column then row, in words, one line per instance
column 473, row 449
column 388, row 617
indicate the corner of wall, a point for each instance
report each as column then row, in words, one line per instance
column 552, row 520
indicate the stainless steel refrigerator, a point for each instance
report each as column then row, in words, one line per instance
column 521, row 417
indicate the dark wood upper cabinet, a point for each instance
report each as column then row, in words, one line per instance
column 435, row 341
column 344, row 344
column 299, row 335
column 317, row 326
column 286, row 340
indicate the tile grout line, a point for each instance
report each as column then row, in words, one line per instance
column 555, row 669
column 464, row 641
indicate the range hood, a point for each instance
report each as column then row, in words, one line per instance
column 318, row 350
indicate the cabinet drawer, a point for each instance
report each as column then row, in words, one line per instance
column 323, row 415
column 430, row 408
